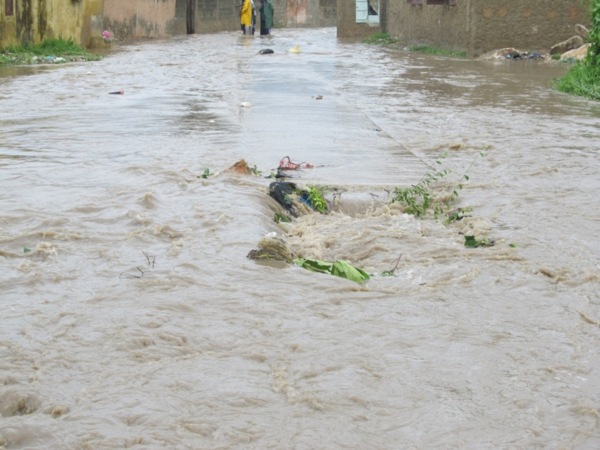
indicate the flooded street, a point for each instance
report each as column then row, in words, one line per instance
column 132, row 318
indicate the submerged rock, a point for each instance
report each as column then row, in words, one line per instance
column 581, row 31
column 575, row 54
column 271, row 248
column 240, row 167
column 564, row 46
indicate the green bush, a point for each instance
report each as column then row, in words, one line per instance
column 593, row 56
column 583, row 79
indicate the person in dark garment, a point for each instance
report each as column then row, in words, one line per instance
column 266, row 17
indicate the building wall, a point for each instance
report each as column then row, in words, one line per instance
column 84, row 20
column 478, row 26
column 8, row 28
column 160, row 18
column 36, row 20
column 217, row 15
column 326, row 13
column 140, row 18
column 435, row 25
column 306, row 13
column 346, row 21
column 525, row 24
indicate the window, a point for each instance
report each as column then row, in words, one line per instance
column 8, row 8
column 367, row 11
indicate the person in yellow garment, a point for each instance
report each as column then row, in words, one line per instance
column 246, row 17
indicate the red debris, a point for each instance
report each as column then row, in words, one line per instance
column 287, row 164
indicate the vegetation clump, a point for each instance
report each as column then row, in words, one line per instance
column 474, row 242
column 583, row 79
column 316, row 198
column 50, row 51
column 421, row 200
column 380, row 39
column 437, row 51
column 384, row 39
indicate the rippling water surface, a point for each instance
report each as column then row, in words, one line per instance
column 131, row 316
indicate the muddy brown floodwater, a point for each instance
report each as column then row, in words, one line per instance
column 131, row 316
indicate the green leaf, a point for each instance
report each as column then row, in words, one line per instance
column 338, row 268
column 344, row 269
column 280, row 217
column 314, row 265
column 471, row 242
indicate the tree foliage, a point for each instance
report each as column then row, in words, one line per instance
column 593, row 56
column 583, row 78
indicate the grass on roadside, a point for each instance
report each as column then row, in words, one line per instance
column 437, row 51
column 50, row 51
column 582, row 80
column 384, row 39
column 380, row 39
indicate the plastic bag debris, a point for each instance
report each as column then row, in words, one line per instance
column 297, row 201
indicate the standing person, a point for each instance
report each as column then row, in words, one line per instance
column 246, row 16
column 253, row 17
column 266, row 17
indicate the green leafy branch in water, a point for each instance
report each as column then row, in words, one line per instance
column 316, row 198
column 420, row 199
column 280, row 217
column 473, row 242
column 392, row 272
column 457, row 214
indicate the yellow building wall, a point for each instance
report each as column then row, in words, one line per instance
column 8, row 30
column 36, row 20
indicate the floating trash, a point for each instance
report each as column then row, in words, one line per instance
column 287, row 164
